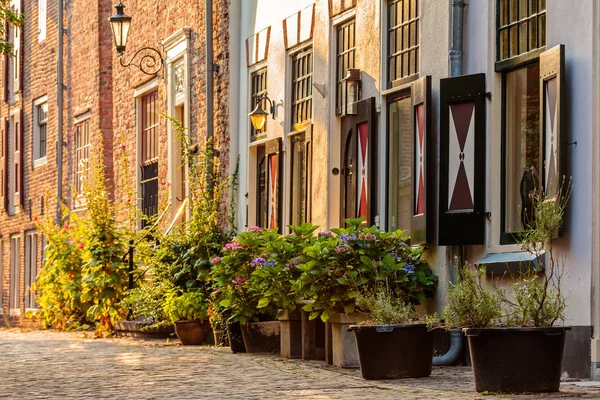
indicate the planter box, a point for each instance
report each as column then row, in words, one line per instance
column 343, row 344
column 394, row 351
column 517, row 360
column 191, row 333
column 313, row 338
column 291, row 334
column 136, row 329
column 262, row 337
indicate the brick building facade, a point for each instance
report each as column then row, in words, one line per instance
column 123, row 107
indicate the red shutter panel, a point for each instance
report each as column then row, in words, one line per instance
column 18, row 158
column 462, row 160
column 421, row 100
column 552, row 66
column 274, row 164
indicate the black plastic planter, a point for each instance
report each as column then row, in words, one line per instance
column 234, row 331
column 394, row 351
column 517, row 360
column 262, row 337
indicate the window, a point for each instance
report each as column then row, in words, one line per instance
column 345, row 54
column 17, row 160
column 31, row 267
column 41, row 20
column 149, row 154
column 400, row 149
column 258, row 80
column 403, row 39
column 300, row 202
column 262, row 188
column 14, row 302
column 521, row 160
column 82, row 156
column 40, row 115
column 302, row 71
column 521, row 27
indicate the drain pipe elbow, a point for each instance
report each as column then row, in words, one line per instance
column 456, row 348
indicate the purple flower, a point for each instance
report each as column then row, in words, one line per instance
column 258, row 261
column 394, row 255
column 346, row 238
column 255, row 229
column 326, row 234
column 409, row 269
column 270, row 264
column 342, row 249
column 369, row 237
column 215, row 260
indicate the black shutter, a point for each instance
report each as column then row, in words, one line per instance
column 274, row 170
column 552, row 66
column 359, row 163
column 462, row 160
column 421, row 102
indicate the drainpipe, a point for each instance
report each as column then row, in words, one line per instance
column 456, row 256
column 210, row 70
column 59, row 103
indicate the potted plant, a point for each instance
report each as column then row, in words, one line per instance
column 514, row 340
column 391, row 343
column 188, row 311
column 241, row 298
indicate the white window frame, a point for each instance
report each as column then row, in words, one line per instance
column 37, row 159
column 14, row 301
column 79, row 200
column 31, row 268
column 177, row 49
column 42, row 17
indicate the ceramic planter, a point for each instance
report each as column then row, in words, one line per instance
column 262, row 337
column 191, row 332
column 517, row 360
column 394, row 351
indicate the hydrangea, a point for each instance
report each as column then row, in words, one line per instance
column 240, row 280
column 394, row 255
column 293, row 263
column 270, row 264
column 258, row 261
column 409, row 269
column 326, row 234
column 232, row 246
column 342, row 249
column 346, row 238
column 255, row 229
column 215, row 260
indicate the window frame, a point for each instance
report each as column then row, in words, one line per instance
column 37, row 158
column 514, row 62
column 339, row 80
column 42, row 19
column 304, row 139
column 259, row 71
column 509, row 238
column 297, row 124
column 400, row 50
column 14, row 301
column 84, row 121
column 31, row 268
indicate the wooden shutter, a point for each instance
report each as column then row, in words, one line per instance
column 18, row 159
column 274, row 162
column 5, row 64
column 3, row 162
column 462, row 160
column 552, row 66
column 421, row 102
column 359, row 164
column 19, row 80
column 308, row 172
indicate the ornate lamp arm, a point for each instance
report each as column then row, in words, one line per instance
column 150, row 60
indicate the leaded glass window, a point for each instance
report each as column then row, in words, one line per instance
column 521, row 27
column 403, row 39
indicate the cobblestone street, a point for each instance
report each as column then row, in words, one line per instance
column 41, row 365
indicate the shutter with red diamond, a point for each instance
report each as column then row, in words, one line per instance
column 274, row 183
column 462, row 160
column 421, row 100
column 358, row 199
column 552, row 65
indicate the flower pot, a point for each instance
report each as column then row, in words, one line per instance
column 236, row 342
column 262, row 337
column 343, row 344
column 191, row 332
column 394, row 351
column 220, row 337
column 517, row 359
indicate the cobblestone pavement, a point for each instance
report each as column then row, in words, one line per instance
column 48, row 365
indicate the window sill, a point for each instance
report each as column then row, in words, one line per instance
column 500, row 264
column 40, row 161
column 14, row 312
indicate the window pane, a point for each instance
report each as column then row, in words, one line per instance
column 400, row 139
column 522, row 37
column 522, row 156
column 504, row 48
column 503, row 12
column 542, row 30
column 523, row 9
column 514, row 9
column 533, row 33
column 514, row 41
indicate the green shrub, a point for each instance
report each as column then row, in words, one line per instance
column 188, row 306
column 383, row 308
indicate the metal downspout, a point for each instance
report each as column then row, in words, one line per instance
column 456, row 252
column 59, row 103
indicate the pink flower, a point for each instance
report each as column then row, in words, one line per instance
column 122, row 147
column 67, row 226
column 168, row 184
column 215, row 260
column 255, row 229
column 240, row 280
column 81, row 246
column 35, row 218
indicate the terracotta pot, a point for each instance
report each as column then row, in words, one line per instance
column 191, row 332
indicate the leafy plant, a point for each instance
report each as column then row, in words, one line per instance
column 187, row 306
column 470, row 304
column 383, row 308
column 147, row 301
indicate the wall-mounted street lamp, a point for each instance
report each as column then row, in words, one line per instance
column 258, row 116
column 150, row 60
column 352, row 91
